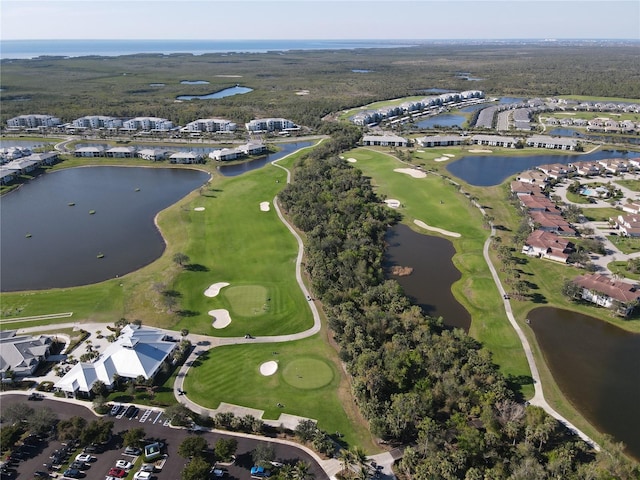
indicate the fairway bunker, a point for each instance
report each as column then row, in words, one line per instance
column 199, row 209
column 268, row 368
column 412, row 172
column 448, row 233
column 351, row 160
column 264, row 206
column 392, row 202
column 221, row 318
column 214, row 289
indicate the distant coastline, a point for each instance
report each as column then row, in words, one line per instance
column 27, row 49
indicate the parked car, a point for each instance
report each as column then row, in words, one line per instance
column 35, row 396
column 260, row 472
column 116, row 409
column 79, row 465
column 85, row 457
column 132, row 451
column 124, row 464
column 72, row 473
column 117, row 472
column 219, row 472
column 148, row 467
column 142, row 475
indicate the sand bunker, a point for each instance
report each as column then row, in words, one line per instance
column 421, row 224
column 221, row 318
column 264, row 206
column 450, row 155
column 302, row 92
column 392, row 202
column 351, row 160
column 420, row 151
column 411, row 171
column 480, row 150
column 214, row 289
column 269, row 368
column 441, row 159
column 199, row 209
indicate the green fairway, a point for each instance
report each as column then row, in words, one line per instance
column 305, row 383
column 438, row 203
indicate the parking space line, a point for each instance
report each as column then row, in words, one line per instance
column 145, row 415
column 166, row 423
column 158, row 417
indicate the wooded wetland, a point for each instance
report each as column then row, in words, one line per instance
column 436, row 391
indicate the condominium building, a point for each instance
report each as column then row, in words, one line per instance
column 33, row 121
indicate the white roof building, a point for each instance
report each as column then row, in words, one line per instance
column 138, row 351
column 23, row 353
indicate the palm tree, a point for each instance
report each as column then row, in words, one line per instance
column 346, row 458
column 301, row 471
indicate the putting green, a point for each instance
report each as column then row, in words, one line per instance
column 307, row 373
column 247, row 300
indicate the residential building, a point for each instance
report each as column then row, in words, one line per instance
column 90, row 152
column 556, row 143
column 495, row 140
column 34, row 121
column 153, row 154
column 271, row 125
column 548, row 245
column 210, row 125
column 186, row 157
column 148, row 124
column 551, row 222
column 441, row 141
column 628, row 225
column 384, row 141
column 586, row 169
column 532, row 176
column 609, row 293
column 120, row 152
column 95, row 122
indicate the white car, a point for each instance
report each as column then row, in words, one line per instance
column 142, row 475
column 85, row 457
column 124, row 464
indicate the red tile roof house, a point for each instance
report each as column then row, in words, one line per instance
column 524, row 188
column 535, row 203
column 587, row 168
column 551, row 222
column 602, row 290
column 631, row 207
column 556, row 170
column 548, row 245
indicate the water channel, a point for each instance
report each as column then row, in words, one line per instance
column 597, row 367
column 227, row 92
column 50, row 238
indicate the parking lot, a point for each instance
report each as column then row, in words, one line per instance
column 156, row 426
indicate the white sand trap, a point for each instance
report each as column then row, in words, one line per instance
column 199, row 209
column 480, row 150
column 411, row 171
column 269, row 368
column 421, row 224
column 264, row 206
column 420, row 151
column 214, row 289
column 221, row 318
column 392, row 202
column 441, row 159
column 450, row 155
column 351, row 160
column 302, row 92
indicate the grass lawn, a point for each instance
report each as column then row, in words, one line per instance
column 630, row 184
column 577, row 198
column 620, row 268
column 601, row 214
column 625, row 244
column 435, row 201
column 305, row 383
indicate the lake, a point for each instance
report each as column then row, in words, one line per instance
column 489, row 170
column 65, row 240
column 429, row 285
column 227, row 92
column 597, row 367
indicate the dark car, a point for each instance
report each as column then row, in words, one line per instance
column 41, row 474
column 132, row 451
column 131, row 411
column 35, row 396
column 72, row 473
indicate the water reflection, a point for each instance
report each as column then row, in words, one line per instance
column 597, row 367
column 429, row 284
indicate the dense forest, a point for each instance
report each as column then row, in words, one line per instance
column 305, row 86
column 432, row 390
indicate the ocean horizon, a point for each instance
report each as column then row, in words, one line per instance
column 28, row 49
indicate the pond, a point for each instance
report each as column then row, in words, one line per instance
column 597, row 367
column 227, row 92
column 486, row 171
column 564, row 132
column 194, row 82
column 23, row 143
column 443, row 120
column 429, row 284
column 50, row 239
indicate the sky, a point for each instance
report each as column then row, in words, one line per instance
column 319, row 19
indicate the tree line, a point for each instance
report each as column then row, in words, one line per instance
column 430, row 389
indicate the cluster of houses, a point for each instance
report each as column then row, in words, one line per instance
column 549, row 239
column 147, row 124
column 12, row 169
column 415, row 107
column 157, row 154
column 600, row 124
